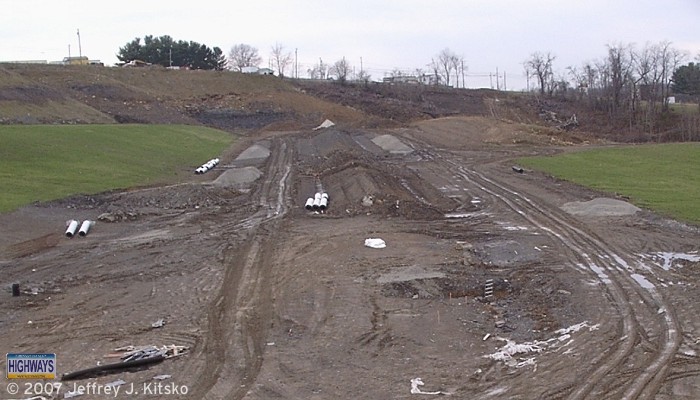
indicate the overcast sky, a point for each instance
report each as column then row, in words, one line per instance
column 378, row 35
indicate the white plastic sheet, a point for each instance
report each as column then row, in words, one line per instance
column 326, row 124
column 375, row 243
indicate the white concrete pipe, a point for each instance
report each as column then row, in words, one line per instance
column 72, row 227
column 323, row 203
column 85, row 227
column 317, row 203
column 309, row 203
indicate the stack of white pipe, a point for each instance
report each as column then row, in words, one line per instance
column 207, row 166
column 72, row 227
column 318, row 202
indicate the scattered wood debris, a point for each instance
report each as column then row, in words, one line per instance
column 131, row 357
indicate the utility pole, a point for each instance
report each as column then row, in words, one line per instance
column 170, row 57
column 505, row 87
column 80, row 47
column 498, row 86
column 464, row 83
column 296, row 63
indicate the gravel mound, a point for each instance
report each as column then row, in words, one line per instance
column 254, row 152
column 600, row 207
column 392, row 144
column 237, row 177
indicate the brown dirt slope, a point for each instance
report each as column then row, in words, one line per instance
column 239, row 103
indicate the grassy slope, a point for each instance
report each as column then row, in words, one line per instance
column 664, row 177
column 40, row 162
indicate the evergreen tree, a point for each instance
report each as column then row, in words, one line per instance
column 686, row 79
column 165, row 51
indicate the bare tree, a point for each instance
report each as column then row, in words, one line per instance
column 457, row 65
column 443, row 64
column 280, row 58
column 396, row 72
column 341, row 69
column 318, row 71
column 540, row 65
column 243, row 55
column 363, row 76
column 619, row 65
column 435, row 68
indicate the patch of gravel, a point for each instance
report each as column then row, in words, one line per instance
column 237, row 177
column 392, row 144
column 600, row 207
column 255, row 151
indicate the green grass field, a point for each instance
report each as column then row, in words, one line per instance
column 47, row 162
column 664, row 178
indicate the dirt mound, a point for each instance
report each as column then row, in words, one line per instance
column 237, row 177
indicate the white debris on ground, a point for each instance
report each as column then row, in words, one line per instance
column 600, row 207
column 375, row 243
column 325, row 124
column 415, row 387
column 668, row 260
column 510, row 350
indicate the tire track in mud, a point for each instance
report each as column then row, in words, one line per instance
column 614, row 273
column 240, row 313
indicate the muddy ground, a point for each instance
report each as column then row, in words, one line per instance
column 494, row 284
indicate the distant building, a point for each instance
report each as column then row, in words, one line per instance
column 26, row 62
column 135, row 63
column 81, row 60
column 424, row 79
column 257, row 70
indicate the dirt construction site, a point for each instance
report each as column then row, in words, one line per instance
column 438, row 269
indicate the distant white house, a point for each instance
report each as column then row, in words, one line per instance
column 256, row 70
column 424, row 79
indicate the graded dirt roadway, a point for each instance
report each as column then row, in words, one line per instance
column 493, row 284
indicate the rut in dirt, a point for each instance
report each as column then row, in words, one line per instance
column 611, row 269
column 239, row 315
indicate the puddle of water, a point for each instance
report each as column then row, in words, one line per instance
column 666, row 260
column 642, row 281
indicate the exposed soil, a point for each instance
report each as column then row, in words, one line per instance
column 487, row 287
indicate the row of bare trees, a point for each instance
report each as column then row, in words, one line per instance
column 447, row 68
column 244, row 55
column 447, row 65
column 630, row 84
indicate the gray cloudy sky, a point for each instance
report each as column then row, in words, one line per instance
column 380, row 35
